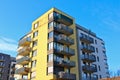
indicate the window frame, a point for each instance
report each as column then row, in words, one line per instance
column 35, row 34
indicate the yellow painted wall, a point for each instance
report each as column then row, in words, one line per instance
column 41, row 65
column 42, row 47
column 75, row 57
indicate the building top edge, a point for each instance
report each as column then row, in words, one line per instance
column 52, row 9
column 87, row 31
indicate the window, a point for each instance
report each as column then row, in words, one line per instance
column 34, row 63
column 95, row 41
column 55, row 45
column 1, row 63
column 58, row 58
column 102, row 43
column 34, row 43
column 50, row 35
column 98, row 59
column 97, row 50
column 33, row 74
column 25, row 77
column 50, row 24
column 36, row 25
column 104, row 52
column 60, row 47
column 68, row 70
column 95, row 76
column 51, row 16
column 100, row 76
column 84, row 75
column 50, row 69
column 99, row 67
column 50, row 45
column 50, row 57
column 34, row 53
column 35, row 34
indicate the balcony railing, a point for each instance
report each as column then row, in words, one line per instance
column 64, row 29
column 66, row 76
column 23, row 60
column 90, row 78
column 24, row 51
column 64, row 63
column 65, row 51
column 88, row 49
column 88, row 58
column 89, row 69
column 64, row 39
column 25, row 41
column 23, row 79
column 64, row 19
column 86, row 39
column 22, row 71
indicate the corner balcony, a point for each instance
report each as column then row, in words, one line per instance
column 64, row 63
column 25, row 41
column 88, row 58
column 64, row 29
column 86, row 39
column 66, row 76
column 88, row 49
column 89, row 69
column 23, row 60
column 64, row 40
column 64, row 51
column 22, row 71
column 63, row 19
column 24, row 51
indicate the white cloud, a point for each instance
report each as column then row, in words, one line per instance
column 7, row 44
column 114, row 24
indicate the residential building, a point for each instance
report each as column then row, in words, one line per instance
column 92, row 55
column 5, row 66
column 12, row 68
column 57, row 48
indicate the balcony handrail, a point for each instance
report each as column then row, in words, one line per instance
column 22, row 69
column 24, row 39
column 23, row 59
column 90, row 47
column 71, row 51
column 90, row 67
column 89, row 56
column 89, row 78
column 66, row 62
column 67, row 50
column 24, row 49
column 87, row 37
column 66, row 75
column 64, row 28
column 64, row 17
column 61, row 36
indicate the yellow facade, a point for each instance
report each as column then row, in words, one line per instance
column 42, row 45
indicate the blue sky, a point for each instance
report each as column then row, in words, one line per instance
column 100, row 16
